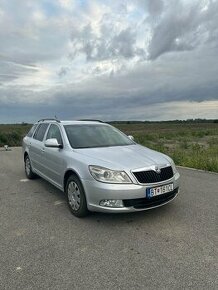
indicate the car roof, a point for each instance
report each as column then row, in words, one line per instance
column 73, row 122
column 81, row 122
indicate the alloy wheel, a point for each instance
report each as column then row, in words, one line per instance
column 74, row 195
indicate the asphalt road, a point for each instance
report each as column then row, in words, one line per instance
column 42, row 246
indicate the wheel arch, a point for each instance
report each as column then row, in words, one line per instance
column 67, row 174
column 25, row 155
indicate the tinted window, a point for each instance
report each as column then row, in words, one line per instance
column 40, row 131
column 87, row 136
column 54, row 132
column 31, row 131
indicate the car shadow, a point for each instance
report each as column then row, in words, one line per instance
column 110, row 218
column 131, row 217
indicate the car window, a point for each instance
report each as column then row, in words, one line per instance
column 40, row 131
column 54, row 132
column 88, row 136
column 31, row 131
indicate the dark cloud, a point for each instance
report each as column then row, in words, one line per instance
column 183, row 27
column 155, row 7
column 107, row 45
column 123, row 44
column 63, row 71
column 174, row 26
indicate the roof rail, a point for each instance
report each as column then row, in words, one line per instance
column 91, row 120
column 49, row 119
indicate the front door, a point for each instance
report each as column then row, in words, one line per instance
column 53, row 157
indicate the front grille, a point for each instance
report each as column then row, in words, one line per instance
column 151, row 176
column 140, row 203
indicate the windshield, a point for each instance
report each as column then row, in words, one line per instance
column 94, row 135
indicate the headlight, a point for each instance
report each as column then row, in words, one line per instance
column 110, row 176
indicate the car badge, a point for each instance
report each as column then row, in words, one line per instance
column 157, row 169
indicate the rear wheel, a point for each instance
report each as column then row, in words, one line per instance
column 76, row 197
column 28, row 168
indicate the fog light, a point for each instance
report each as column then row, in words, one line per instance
column 111, row 202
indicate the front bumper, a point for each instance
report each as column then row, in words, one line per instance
column 132, row 195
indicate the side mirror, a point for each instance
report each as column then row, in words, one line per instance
column 131, row 137
column 53, row 143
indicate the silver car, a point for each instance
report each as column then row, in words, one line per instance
column 99, row 167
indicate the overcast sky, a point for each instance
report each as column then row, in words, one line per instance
column 110, row 60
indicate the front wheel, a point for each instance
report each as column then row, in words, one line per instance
column 28, row 168
column 76, row 197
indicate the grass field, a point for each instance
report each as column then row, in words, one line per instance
column 193, row 145
column 12, row 135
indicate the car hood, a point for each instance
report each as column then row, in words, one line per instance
column 125, row 157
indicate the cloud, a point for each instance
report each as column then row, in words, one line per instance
column 113, row 39
column 184, row 27
column 109, row 59
column 155, row 7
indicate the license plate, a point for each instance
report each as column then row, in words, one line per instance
column 151, row 192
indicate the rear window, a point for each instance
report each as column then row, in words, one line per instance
column 40, row 131
column 31, row 131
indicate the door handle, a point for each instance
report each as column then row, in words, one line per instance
column 43, row 150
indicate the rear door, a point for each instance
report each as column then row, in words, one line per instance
column 36, row 150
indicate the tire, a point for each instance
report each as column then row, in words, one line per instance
column 28, row 168
column 76, row 197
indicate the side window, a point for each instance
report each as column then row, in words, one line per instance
column 40, row 131
column 31, row 131
column 54, row 132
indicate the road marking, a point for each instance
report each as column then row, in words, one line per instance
column 57, row 202
column 24, row 180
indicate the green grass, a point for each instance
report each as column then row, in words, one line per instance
column 12, row 135
column 193, row 145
